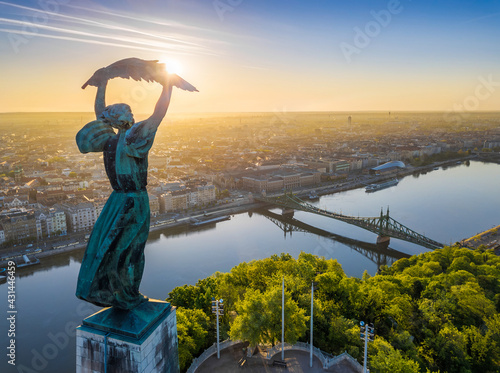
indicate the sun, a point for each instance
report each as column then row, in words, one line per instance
column 173, row 66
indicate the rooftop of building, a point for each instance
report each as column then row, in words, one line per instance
column 389, row 165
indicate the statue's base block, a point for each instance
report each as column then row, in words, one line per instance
column 142, row 340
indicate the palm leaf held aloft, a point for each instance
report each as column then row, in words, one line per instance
column 137, row 69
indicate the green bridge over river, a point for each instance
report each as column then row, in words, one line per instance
column 383, row 225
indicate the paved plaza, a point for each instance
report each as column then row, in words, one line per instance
column 233, row 359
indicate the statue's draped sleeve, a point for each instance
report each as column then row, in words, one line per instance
column 139, row 139
column 93, row 136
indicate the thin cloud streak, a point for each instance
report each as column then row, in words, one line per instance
column 93, row 35
column 481, row 18
column 149, row 21
column 97, row 23
column 202, row 49
column 176, row 25
column 89, row 41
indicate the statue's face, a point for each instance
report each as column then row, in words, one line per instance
column 124, row 121
column 118, row 116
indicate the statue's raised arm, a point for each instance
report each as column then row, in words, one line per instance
column 168, row 81
column 141, row 135
column 119, row 116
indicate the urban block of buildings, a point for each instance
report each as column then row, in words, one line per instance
column 48, row 189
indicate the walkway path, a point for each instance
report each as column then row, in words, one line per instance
column 489, row 238
column 233, row 359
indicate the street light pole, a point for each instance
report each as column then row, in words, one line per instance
column 283, row 320
column 217, row 321
column 312, row 306
column 366, row 333
column 218, row 311
column 366, row 352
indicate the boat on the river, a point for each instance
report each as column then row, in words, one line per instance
column 199, row 223
column 386, row 184
column 28, row 261
column 312, row 196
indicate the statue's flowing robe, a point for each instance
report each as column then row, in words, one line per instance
column 113, row 262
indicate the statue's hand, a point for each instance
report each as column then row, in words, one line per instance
column 100, row 77
column 101, row 74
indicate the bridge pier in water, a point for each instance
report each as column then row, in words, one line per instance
column 383, row 240
column 383, row 224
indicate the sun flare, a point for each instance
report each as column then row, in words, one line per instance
column 172, row 66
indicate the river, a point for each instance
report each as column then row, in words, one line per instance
column 446, row 205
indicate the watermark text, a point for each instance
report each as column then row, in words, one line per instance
column 11, row 312
column 364, row 36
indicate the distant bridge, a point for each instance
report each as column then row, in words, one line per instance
column 378, row 254
column 384, row 225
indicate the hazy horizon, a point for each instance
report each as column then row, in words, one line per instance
column 262, row 112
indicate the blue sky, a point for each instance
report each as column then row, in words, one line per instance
column 257, row 55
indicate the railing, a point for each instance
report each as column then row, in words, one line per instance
column 209, row 352
column 326, row 359
column 344, row 356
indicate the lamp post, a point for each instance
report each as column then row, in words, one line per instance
column 218, row 309
column 312, row 313
column 314, row 286
column 366, row 333
column 283, row 320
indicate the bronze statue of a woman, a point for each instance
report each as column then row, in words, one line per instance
column 113, row 262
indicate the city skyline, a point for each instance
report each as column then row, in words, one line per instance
column 256, row 56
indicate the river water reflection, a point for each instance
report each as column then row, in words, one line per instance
column 445, row 205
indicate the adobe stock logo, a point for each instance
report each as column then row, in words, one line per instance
column 223, row 6
column 364, row 36
column 40, row 18
column 483, row 91
column 58, row 343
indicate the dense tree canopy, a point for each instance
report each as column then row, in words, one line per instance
column 259, row 315
column 192, row 331
column 437, row 312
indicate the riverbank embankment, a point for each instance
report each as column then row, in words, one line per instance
column 238, row 205
column 489, row 238
column 156, row 225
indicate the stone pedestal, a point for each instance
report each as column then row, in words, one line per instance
column 142, row 340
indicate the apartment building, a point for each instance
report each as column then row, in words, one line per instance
column 176, row 200
column 201, row 195
column 50, row 222
column 81, row 217
column 154, row 204
column 283, row 179
column 18, row 224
